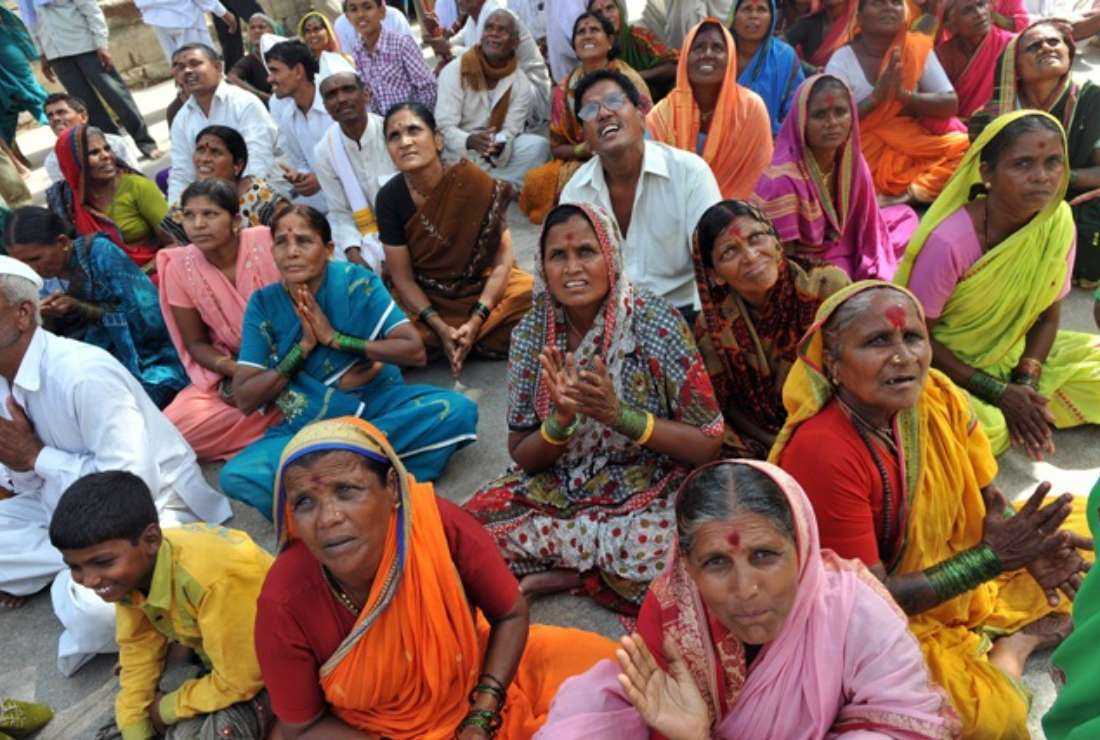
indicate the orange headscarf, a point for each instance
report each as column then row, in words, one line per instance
column 740, row 113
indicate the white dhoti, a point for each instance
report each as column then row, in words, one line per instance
column 528, row 152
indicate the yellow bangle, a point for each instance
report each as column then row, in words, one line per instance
column 550, row 440
column 650, row 422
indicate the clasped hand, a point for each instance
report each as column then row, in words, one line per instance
column 573, row 391
column 19, row 445
column 316, row 328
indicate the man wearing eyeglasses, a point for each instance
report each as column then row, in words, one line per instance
column 657, row 192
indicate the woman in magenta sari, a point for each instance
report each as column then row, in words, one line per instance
column 752, row 631
column 971, row 49
column 818, row 190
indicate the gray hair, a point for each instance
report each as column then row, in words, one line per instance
column 16, row 290
column 846, row 314
column 511, row 19
column 722, row 491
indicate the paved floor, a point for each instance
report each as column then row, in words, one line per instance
column 84, row 702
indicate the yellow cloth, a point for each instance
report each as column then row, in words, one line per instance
column 365, row 221
column 137, row 208
column 946, row 462
column 203, row 595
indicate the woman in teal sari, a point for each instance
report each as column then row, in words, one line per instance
column 19, row 90
column 769, row 65
column 325, row 342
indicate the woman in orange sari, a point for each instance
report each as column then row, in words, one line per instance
column 710, row 114
column 389, row 611
column 910, row 137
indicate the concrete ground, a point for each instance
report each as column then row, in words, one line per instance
column 85, row 701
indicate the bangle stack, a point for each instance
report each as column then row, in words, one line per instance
column 292, row 362
column 1028, row 372
column 554, row 433
column 349, row 344
column 426, row 313
column 635, row 424
column 965, row 571
column 488, row 721
column 986, row 387
column 481, row 310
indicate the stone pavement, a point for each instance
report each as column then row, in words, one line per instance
column 85, row 701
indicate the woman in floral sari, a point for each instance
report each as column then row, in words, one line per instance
column 608, row 403
column 818, row 191
column 402, row 621
column 596, row 45
column 756, row 305
column 826, row 653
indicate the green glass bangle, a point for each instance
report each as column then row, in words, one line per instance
column 291, row 362
column 986, row 387
column 1031, row 381
column 556, row 431
column 481, row 310
column 963, row 572
column 631, row 423
column 426, row 313
column 484, row 720
column 350, row 344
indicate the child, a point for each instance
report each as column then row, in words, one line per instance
column 196, row 585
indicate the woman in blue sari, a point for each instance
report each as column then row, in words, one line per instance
column 769, row 66
column 19, row 90
column 325, row 342
column 103, row 298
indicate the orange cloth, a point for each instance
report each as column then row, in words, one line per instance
column 902, row 153
column 739, row 142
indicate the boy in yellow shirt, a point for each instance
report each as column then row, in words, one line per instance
column 195, row 585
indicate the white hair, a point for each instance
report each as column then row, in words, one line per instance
column 16, row 290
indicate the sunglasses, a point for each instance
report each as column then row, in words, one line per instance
column 613, row 102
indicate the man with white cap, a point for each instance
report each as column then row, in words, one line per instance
column 68, row 409
column 483, row 103
column 352, row 162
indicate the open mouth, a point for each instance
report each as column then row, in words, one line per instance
column 901, row 381
column 707, row 68
column 576, row 284
column 609, row 129
column 204, row 170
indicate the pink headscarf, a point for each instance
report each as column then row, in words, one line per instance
column 844, row 659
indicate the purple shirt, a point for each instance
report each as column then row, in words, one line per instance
column 395, row 72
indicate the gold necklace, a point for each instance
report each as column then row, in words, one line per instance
column 338, row 592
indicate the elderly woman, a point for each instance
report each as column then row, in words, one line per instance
column 608, row 406
column 769, row 66
column 1035, row 71
column 710, row 114
column 204, row 288
column 1002, row 229
column 907, row 487
column 325, row 341
column 447, row 245
column 222, row 154
column 970, row 55
column 388, row 610
column 906, row 103
column 754, row 632
column 596, row 45
column 818, row 191
column 250, row 72
column 640, row 48
column 317, row 33
column 816, row 36
column 99, row 193
column 756, row 305
column 106, row 300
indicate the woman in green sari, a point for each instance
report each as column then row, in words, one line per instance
column 640, row 48
column 991, row 262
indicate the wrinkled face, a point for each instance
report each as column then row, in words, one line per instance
column 315, row 35
column 499, row 38
column 883, row 355
column 365, row 16
column 257, row 27
column 609, row 9
column 300, row 253
column 284, row 80
column 48, row 260
column 882, row 17
column 61, row 116
column 1027, row 175
column 196, row 74
column 611, row 122
column 576, row 274
column 101, row 160
column 410, row 142
column 1043, row 54
column 344, row 98
column 708, row 56
column 341, row 511
column 590, row 42
column 208, row 225
column 213, row 159
column 115, row 568
column 15, row 320
column 753, row 20
column 746, row 570
column 746, row 256
column 970, row 20
column 828, row 118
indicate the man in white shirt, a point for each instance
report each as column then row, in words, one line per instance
column 302, row 121
column 64, row 110
column 352, row 162
column 214, row 100
column 394, row 21
column 180, row 22
column 68, row 409
column 560, row 17
column 482, row 115
column 657, row 193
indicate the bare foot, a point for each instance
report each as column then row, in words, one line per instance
column 549, row 582
column 1010, row 653
column 11, row 601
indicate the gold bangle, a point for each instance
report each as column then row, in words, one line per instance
column 650, row 423
column 550, row 440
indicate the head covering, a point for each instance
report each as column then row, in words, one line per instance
column 12, row 266
column 638, row 46
column 774, row 71
column 974, row 85
column 67, row 198
column 838, row 33
column 739, row 113
column 333, row 63
column 267, row 41
column 1007, row 91
column 333, row 42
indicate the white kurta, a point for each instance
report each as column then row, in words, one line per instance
column 91, row 415
column 371, row 167
column 560, row 17
column 298, row 135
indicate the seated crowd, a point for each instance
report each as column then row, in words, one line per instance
column 799, row 282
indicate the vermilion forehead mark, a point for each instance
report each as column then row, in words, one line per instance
column 734, row 539
column 896, row 316
column 832, row 99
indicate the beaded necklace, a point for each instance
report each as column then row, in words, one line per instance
column 339, row 593
column 866, row 431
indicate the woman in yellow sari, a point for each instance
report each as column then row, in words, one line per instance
column 389, row 611
column 318, row 34
column 1002, row 229
column 907, row 487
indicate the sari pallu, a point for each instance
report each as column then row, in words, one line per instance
column 333, row 39
column 842, row 662
column 738, row 144
column 1026, row 272
column 773, row 73
column 839, row 221
column 453, row 240
column 945, row 460
column 408, row 666
column 838, row 33
column 974, row 85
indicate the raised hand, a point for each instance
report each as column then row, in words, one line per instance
column 669, row 703
column 1029, row 535
column 593, row 393
column 312, row 313
column 309, row 339
column 561, row 373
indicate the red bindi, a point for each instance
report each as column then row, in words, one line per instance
column 734, row 538
column 896, row 316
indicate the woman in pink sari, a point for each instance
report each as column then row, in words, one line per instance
column 204, row 289
column 969, row 55
column 752, row 631
column 818, row 192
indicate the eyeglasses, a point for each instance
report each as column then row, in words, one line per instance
column 591, row 109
